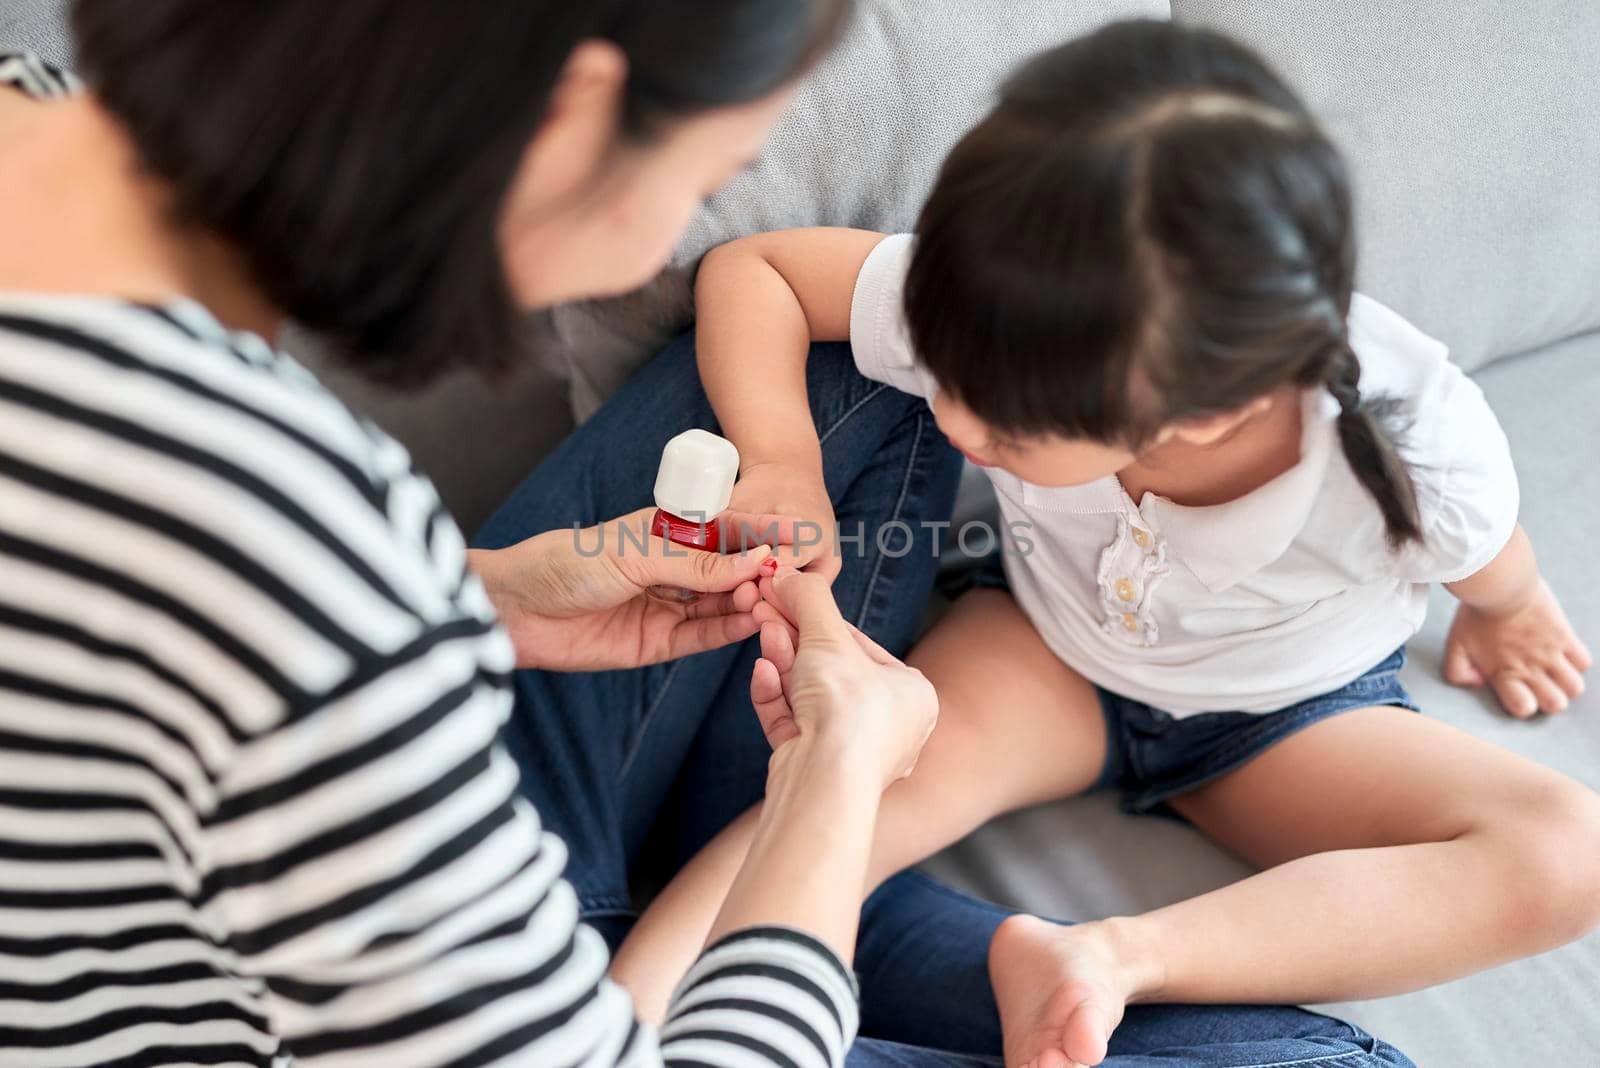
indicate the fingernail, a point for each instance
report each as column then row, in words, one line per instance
column 769, row 567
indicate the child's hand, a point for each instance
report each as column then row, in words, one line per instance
column 1529, row 654
column 792, row 501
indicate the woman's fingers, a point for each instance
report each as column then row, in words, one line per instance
column 764, row 613
column 769, row 595
column 741, row 601
column 777, row 646
column 766, row 688
column 710, row 632
column 633, row 559
column 771, row 705
column 806, row 600
column 788, row 587
column 778, row 649
column 746, row 597
column 717, row 619
column 772, row 608
column 704, row 572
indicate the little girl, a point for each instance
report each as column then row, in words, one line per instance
column 1129, row 299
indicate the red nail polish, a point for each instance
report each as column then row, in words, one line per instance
column 693, row 487
column 769, row 566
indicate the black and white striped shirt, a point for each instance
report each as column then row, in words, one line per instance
column 252, row 806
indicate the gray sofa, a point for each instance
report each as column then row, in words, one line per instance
column 1470, row 125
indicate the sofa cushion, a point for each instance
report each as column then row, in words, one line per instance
column 1471, row 128
column 859, row 147
column 1084, row 859
column 37, row 26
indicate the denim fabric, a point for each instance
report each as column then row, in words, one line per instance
column 666, row 756
column 923, row 961
column 1153, row 756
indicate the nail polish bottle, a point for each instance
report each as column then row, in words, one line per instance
column 693, row 487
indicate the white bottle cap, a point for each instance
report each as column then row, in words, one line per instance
column 698, row 470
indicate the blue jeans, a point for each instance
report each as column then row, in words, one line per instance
column 655, row 761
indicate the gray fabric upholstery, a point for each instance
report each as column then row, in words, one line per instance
column 38, row 26
column 1468, row 126
column 1083, row 859
column 1471, row 128
column 860, row 147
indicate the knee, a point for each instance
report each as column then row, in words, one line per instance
column 1556, row 870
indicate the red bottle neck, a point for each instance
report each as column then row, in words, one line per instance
column 686, row 532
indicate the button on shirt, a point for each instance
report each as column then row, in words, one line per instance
column 1278, row 596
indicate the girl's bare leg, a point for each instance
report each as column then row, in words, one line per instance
column 1401, row 852
column 1016, row 727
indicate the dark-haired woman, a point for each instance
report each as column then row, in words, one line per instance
column 253, row 807
column 1129, row 298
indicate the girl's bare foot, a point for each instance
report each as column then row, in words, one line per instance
column 1061, row 990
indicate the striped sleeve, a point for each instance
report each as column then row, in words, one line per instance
column 34, row 77
column 252, row 794
column 377, row 868
column 773, row 993
column 374, row 864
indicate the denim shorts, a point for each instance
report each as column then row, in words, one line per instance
column 1153, row 756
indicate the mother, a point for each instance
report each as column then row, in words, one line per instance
column 252, row 800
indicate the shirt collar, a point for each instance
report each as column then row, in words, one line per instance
column 1225, row 543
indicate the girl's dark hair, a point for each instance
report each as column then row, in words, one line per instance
column 1149, row 227
column 359, row 152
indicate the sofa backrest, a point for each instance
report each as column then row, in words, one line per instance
column 1470, row 127
column 37, row 26
column 1473, row 129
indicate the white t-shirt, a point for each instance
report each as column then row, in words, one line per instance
column 1286, row 593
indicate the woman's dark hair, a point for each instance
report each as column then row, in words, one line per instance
column 359, row 152
column 1149, row 227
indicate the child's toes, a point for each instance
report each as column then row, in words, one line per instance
column 1087, row 1034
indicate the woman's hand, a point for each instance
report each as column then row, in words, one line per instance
column 574, row 600
column 1526, row 651
column 821, row 681
column 785, row 505
column 845, row 720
